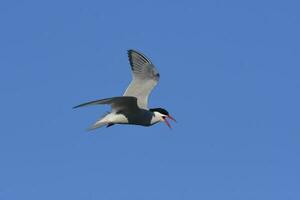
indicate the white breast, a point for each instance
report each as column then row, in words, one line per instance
column 115, row 119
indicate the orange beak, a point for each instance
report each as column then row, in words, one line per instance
column 168, row 123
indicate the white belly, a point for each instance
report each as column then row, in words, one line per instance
column 144, row 118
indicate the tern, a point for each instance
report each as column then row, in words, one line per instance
column 132, row 107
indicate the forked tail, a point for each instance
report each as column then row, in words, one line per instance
column 100, row 123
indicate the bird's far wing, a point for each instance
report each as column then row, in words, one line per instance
column 117, row 103
column 144, row 78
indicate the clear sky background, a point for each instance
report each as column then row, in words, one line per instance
column 229, row 75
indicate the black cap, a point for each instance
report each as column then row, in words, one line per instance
column 160, row 110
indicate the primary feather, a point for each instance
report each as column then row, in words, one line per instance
column 144, row 78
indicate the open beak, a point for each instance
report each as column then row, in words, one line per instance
column 170, row 117
column 167, row 122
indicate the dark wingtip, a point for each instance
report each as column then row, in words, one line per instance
column 77, row 106
column 130, row 51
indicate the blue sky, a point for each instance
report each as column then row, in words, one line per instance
column 229, row 75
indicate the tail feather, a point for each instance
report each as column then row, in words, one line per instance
column 99, row 123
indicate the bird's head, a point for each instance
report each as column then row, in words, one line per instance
column 162, row 115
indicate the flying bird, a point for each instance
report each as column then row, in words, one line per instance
column 132, row 107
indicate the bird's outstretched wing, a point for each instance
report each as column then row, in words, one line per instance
column 117, row 104
column 144, row 78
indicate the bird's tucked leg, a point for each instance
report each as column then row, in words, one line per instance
column 109, row 125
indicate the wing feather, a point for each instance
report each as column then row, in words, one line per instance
column 117, row 103
column 144, row 78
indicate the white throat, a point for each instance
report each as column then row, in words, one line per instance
column 156, row 118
